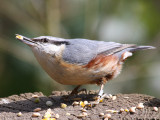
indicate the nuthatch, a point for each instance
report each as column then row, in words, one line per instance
column 80, row 61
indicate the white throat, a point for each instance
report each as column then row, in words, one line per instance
column 48, row 50
column 53, row 49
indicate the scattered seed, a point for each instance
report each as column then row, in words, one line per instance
column 49, row 103
column 140, row 106
column 80, row 116
column 57, row 116
column 37, row 100
column 155, row 109
column 94, row 103
column 126, row 97
column 115, row 111
column 68, row 114
column 37, row 109
column 101, row 100
column 112, row 111
column 101, row 114
column 84, row 114
column 49, row 110
column 36, row 114
column 35, row 96
column 107, row 116
column 104, row 96
column 47, row 115
column 121, row 110
column 4, row 101
column 114, row 97
column 85, row 102
column 89, row 105
column 49, row 119
column 132, row 109
column 82, row 104
column 75, row 103
column 110, row 95
column 83, row 110
column 52, row 119
column 19, row 114
column 63, row 105
column 126, row 110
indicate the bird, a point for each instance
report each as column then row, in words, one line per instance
column 80, row 61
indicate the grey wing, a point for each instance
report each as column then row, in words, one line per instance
column 82, row 51
column 109, row 48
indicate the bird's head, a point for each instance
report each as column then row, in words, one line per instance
column 45, row 44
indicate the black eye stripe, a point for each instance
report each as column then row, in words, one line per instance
column 45, row 40
column 60, row 42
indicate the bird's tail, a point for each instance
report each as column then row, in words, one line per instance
column 136, row 48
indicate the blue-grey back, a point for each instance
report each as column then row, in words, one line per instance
column 82, row 51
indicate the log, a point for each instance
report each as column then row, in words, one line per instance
column 10, row 107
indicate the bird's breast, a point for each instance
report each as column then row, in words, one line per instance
column 63, row 72
column 73, row 74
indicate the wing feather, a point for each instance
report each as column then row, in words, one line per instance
column 82, row 51
column 109, row 48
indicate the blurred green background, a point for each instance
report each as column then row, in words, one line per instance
column 124, row 21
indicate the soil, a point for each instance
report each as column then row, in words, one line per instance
column 26, row 103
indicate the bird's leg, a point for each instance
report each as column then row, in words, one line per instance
column 101, row 90
column 102, row 82
column 100, row 93
column 100, row 96
column 75, row 90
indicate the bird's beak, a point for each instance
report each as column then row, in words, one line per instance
column 25, row 40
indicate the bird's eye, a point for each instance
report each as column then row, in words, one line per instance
column 45, row 40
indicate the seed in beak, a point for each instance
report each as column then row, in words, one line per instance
column 19, row 37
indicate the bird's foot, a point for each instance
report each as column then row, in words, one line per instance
column 99, row 98
column 78, row 91
column 75, row 91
